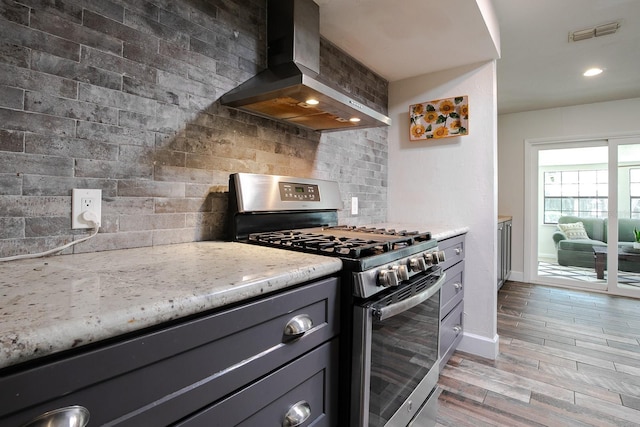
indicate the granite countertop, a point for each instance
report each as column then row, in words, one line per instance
column 57, row 303
column 438, row 231
column 503, row 218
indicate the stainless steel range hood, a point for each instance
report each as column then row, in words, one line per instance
column 286, row 89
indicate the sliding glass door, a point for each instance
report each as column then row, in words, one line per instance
column 583, row 200
column 572, row 208
column 625, row 258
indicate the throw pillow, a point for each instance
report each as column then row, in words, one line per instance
column 574, row 230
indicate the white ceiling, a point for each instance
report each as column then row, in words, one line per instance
column 539, row 68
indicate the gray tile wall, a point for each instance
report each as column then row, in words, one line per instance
column 122, row 95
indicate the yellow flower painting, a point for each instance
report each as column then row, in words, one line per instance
column 442, row 118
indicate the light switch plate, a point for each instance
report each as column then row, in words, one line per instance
column 85, row 200
column 354, row 206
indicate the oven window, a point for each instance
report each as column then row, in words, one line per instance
column 403, row 350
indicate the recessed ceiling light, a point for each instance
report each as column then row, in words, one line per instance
column 312, row 101
column 592, row 72
column 354, row 119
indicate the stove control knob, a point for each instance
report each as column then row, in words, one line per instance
column 402, row 271
column 388, row 278
column 433, row 258
column 429, row 259
column 417, row 264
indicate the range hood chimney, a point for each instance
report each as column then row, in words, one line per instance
column 288, row 90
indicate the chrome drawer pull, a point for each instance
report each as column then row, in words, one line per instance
column 298, row 325
column 457, row 329
column 458, row 251
column 457, row 286
column 70, row 416
column 297, row 414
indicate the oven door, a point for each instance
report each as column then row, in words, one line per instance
column 395, row 355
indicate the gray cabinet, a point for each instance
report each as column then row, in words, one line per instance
column 451, row 297
column 504, row 251
column 190, row 371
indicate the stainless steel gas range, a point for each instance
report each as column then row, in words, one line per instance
column 390, row 293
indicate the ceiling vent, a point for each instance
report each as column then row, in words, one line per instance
column 588, row 33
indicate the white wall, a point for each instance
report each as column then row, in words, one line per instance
column 513, row 129
column 452, row 181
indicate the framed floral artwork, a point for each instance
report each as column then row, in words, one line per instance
column 442, row 118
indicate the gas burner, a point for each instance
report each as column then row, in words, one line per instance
column 375, row 230
column 343, row 241
column 415, row 235
column 324, row 243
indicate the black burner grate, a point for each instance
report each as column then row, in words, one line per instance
column 348, row 247
column 389, row 232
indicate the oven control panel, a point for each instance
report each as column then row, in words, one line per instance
column 290, row 191
column 370, row 282
column 253, row 193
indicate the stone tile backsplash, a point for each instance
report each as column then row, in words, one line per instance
column 122, row 95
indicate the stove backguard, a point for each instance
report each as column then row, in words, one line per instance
column 261, row 203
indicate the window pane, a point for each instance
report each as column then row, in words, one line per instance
column 602, row 204
column 551, row 217
column 634, row 190
column 635, row 207
column 552, row 178
column 588, row 205
column 552, row 203
column 571, row 190
column 603, row 190
column 568, row 206
column 587, row 190
column 552, row 190
column 634, row 175
column 603, row 177
column 588, row 177
column 570, row 177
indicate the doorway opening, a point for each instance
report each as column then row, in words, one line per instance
column 582, row 206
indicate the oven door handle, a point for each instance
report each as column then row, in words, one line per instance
column 382, row 313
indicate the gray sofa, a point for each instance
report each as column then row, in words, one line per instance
column 578, row 252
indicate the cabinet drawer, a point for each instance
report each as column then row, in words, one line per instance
column 451, row 330
column 453, row 250
column 453, row 289
column 311, row 379
column 159, row 377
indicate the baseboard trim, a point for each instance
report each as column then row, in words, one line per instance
column 516, row 276
column 551, row 256
column 480, row 345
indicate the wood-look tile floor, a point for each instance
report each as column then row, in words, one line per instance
column 567, row 358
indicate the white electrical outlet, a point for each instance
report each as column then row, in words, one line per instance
column 83, row 200
column 354, row 206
